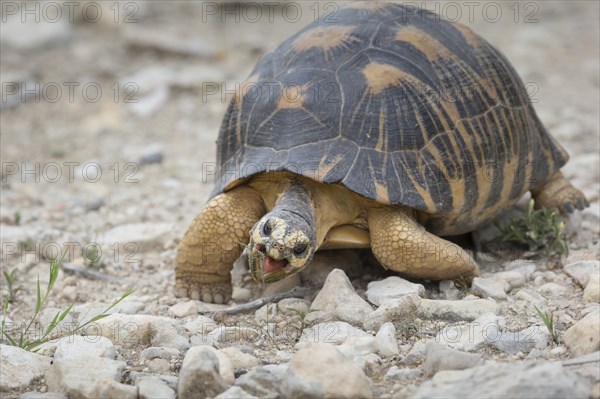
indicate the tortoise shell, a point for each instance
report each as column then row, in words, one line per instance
column 399, row 106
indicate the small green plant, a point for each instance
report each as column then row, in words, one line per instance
column 12, row 287
column 302, row 315
column 538, row 229
column 93, row 258
column 27, row 245
column 549, row 323
column 23, row 339
column 17, row 218
column 409, row 329
column 57, row 153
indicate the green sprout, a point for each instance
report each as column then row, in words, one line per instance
column 93, row 258
column 538, row 229
column 549, row 323
column 302, row 315
column 12, row 287
column 22, row 340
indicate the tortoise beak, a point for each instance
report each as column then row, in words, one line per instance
column 265, row 269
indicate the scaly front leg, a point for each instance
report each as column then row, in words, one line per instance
column 213, row 242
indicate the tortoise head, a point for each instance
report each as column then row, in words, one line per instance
column 284, row 241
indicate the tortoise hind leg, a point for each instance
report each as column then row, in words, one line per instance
column 213, row 242
column 403, row 245
column 559, row 193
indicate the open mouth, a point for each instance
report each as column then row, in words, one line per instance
column 270, row 265
column 266, row 269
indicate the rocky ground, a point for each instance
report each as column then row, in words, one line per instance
column 108, row 127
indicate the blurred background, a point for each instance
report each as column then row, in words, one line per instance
column 110, row 110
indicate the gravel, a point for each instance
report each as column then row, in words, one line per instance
column 310, row 375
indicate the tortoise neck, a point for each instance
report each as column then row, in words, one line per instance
column 296, row 199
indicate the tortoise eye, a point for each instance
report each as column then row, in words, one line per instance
column 300, row 249
column 266, row 228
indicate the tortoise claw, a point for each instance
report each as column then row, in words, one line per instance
column 218, row 298
column 215, row 292
column 582, row 203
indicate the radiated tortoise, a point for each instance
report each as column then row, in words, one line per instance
column 388, row 128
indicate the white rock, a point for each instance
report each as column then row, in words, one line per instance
column 41, row 235
column 582, row 271
column 448, row 290
column 489, row 288
column 367, row 363
column 149, row 103
column 415, row 355
column 585, row 365
column 28, row 33
column 293, row 306
column 19, row 367
column 91, row 345
column 455, row 310
column 591, row 293
column 539, row 335
column 498, row 284
column 337, row 300
column 159, row 353
column 284, row 356
column 199, row 374
column 522, row 341
column 311, row 374
column 398, row 374
column 524, row 268
column 170, row 42
column 386, row 340
column 440, row 357
column 470, row 337
column 128, row 306
column 226, row 369
column 146, row 330
column 45, row 395
column 392, row 287
column 284, row 285
column 184, row 309
column 225, row 334
column 332, row 333
column 154, row 388
column 401, row 309
column 583, row 337
column 240, row 360
column 235, row 392
column 88, row 377
column 240, row 295
column 200, row 325
column 266, row 312
column 159, row 366
column 144, row 236
column 504, row 380
column 552, row 290
column 263, row 380
column 358, row 346
column 529, row 295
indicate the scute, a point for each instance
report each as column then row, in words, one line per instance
column 397, row 105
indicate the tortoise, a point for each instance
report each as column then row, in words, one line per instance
column 387, row 128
